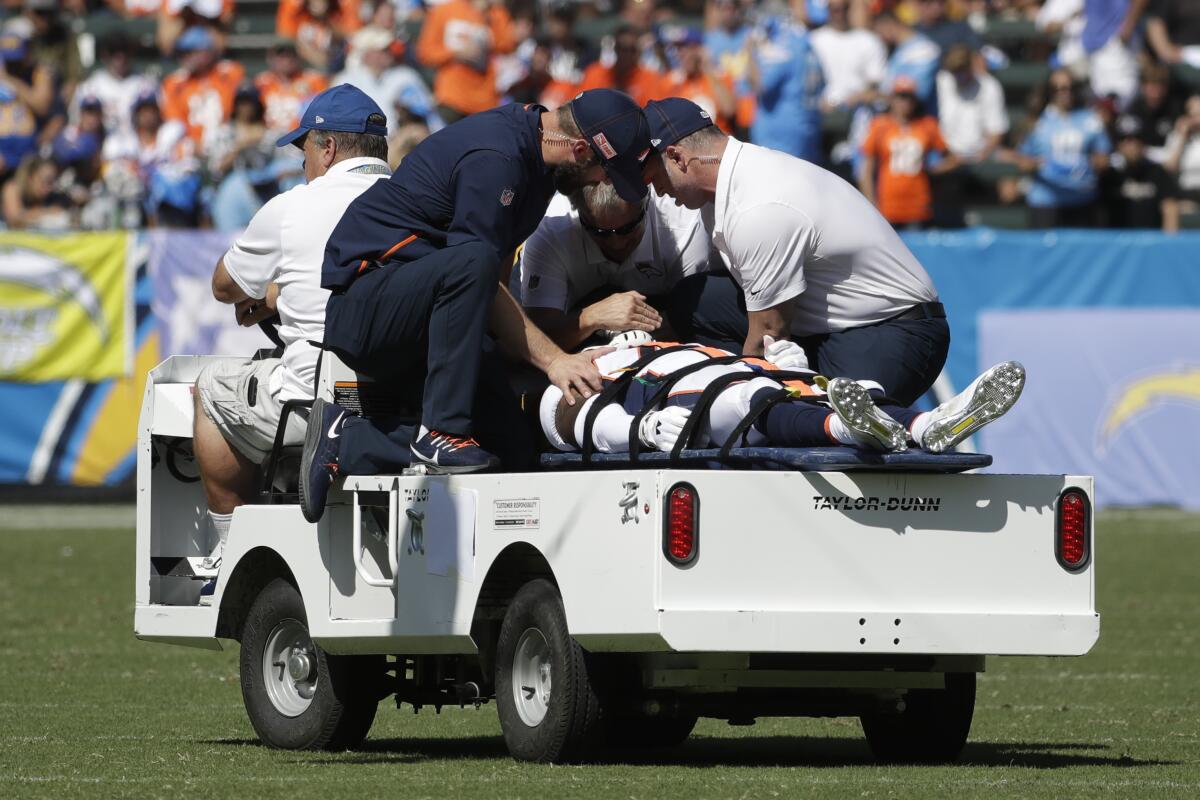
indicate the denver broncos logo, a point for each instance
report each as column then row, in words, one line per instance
column 1180, row 386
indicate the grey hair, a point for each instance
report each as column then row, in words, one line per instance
column 351, row 145
column 599, row 198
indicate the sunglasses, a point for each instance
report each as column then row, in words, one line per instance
column 624, row 230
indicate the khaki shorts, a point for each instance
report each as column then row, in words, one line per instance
column 224, row 388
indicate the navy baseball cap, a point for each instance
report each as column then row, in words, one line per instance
column 674, row 119
column 12, row 46
column 343, row 108
column 616, row 129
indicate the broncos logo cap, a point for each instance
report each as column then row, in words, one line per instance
column 616, row 130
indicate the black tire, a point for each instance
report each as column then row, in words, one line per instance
column 932, row 728
column 636, row 732
column 345, row 689
column 571, row 728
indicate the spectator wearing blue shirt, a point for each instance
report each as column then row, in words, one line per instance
column 726, row 40
column 788, row 81
column 26, row 99
column 1065, row 151
column 913, row 56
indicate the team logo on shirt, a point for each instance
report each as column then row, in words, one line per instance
column 506, row 197
column 602, row 143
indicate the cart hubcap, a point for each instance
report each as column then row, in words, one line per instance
column 290, row 668
column 531, row 677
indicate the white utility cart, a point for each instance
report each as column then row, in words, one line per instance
column 614, row 605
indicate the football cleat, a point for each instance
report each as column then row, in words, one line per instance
column 988, row 398
column 872, row 428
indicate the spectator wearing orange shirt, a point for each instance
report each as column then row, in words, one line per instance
column 200, row 93
column 894, row 175
column 286, row 87
column 627, row 74
column 697, row 80
column 318, row 26
column 458, row 40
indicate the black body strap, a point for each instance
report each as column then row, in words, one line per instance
column 613, row 389
column 664, row 389
column 709, row 396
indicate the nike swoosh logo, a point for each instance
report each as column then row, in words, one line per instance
column 333, row 427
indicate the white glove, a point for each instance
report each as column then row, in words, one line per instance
column 784, row 354
column 624, row 340
column 661, row 429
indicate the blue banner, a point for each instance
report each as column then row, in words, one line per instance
column 1108, row 325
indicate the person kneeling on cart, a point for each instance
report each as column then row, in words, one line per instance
column 792, row 406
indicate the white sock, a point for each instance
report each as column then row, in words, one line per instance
column 919, row 426
column 220, row 523
column 421, row 434
column 839, row 431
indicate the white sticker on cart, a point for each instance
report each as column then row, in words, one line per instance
column 517, row 514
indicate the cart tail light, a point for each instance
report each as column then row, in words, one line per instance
column 681, row 532
column 1073, row 522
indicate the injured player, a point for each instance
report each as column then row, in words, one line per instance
column 813, row 412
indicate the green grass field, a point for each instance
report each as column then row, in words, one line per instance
column 88, row 711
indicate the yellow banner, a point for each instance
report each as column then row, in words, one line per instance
column 65, row 306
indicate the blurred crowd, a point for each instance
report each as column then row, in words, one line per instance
column 898, row 96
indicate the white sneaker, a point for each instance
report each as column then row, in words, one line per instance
column 870, row 427
column 988, row 398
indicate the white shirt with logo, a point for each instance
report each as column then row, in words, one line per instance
column 790, row 230
column 561, row 264
column 285, row 244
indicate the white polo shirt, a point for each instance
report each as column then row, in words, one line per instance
column 561, row 264
column 788, row 229
column 285, row 244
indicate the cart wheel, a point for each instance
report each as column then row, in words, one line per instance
column 932, row 727
column 634, row 732
column 297, row 696
column 549, row 710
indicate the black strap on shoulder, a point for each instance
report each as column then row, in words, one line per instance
column 660, row 395
column 613, row 389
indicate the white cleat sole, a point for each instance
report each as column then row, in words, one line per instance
column 853, row 404
column 992, row 395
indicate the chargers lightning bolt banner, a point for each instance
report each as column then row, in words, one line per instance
column 65, row 306
column 1108, row 326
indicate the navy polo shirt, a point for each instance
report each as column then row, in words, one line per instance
column 481, row 179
